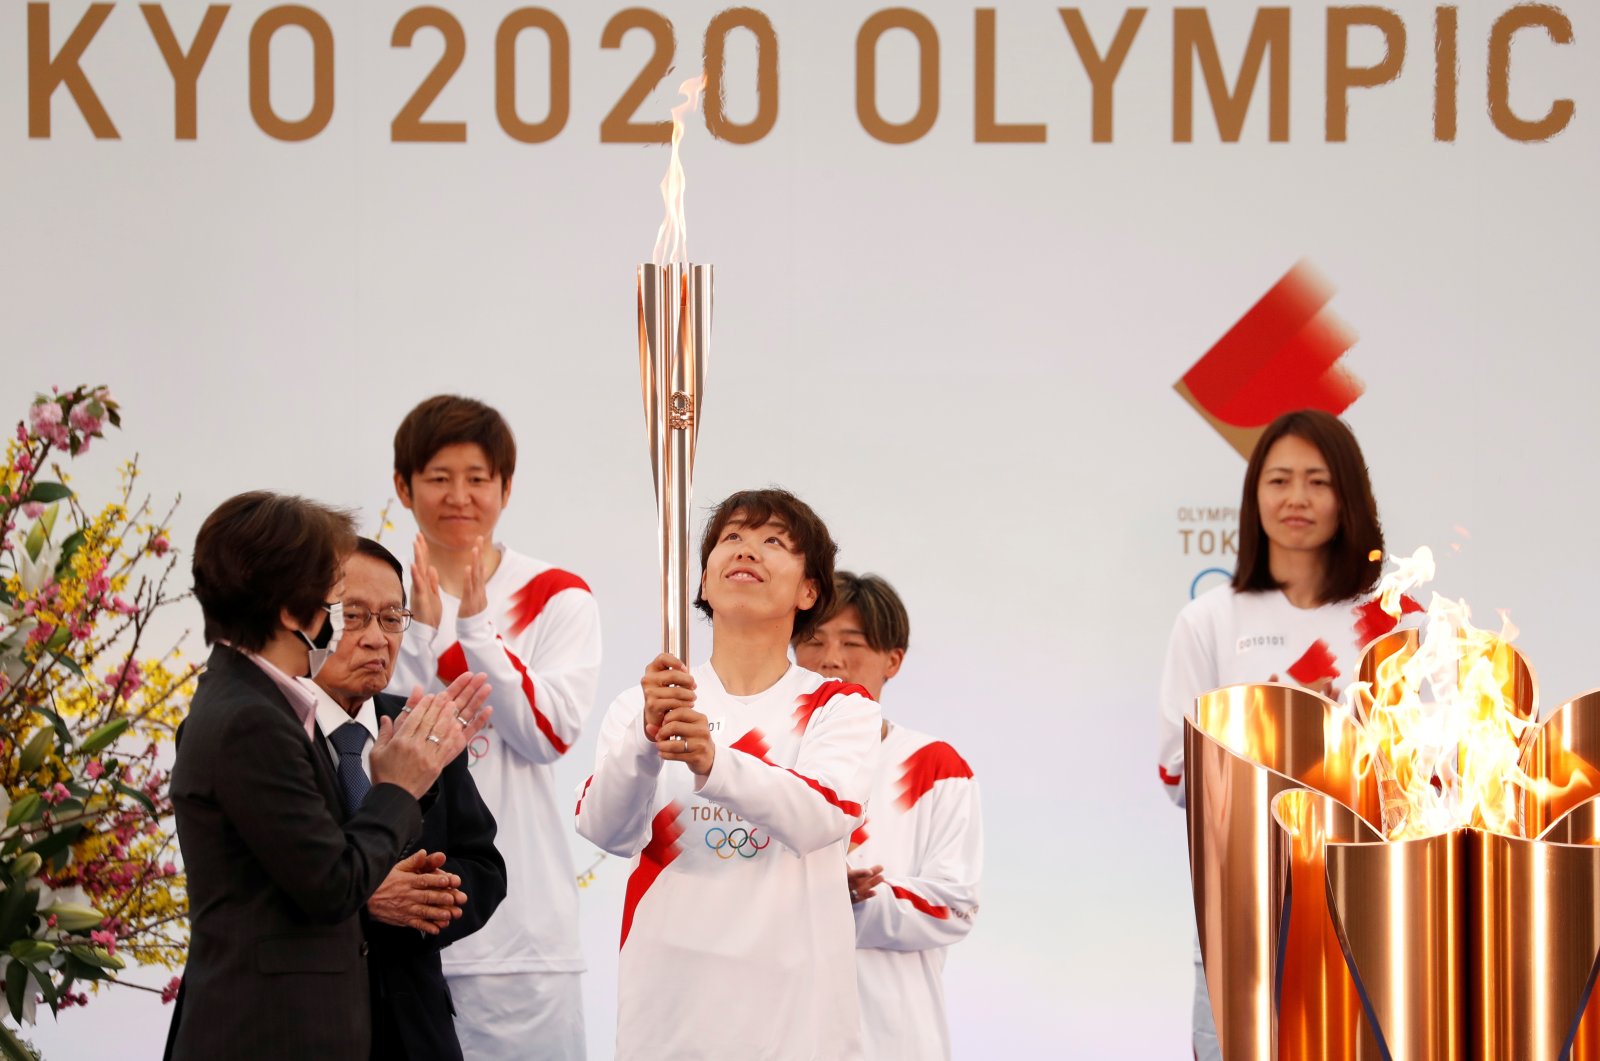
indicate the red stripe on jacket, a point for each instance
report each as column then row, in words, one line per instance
column 755, row 745
column 656, row 856
column 926, row 766
column 941, row 913
column 453, row 664
column 529, row 601
column 810, row 703
column 1170, row 779
column 579, row 808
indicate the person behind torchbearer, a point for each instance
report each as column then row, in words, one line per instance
column 1300, row 606
column 915, row 864
column 735, row 788
column 448, row 887
column 479, row 605
column 278, row 872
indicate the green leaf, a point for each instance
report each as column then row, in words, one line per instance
column 38, row 746
column 34, row 542
column 69, row 663
column 47, row 519
column 70, row 547
column 58, row 640
column 16, row 993
column 45, row 493
column 27, row 807
column 11, row 1047
column 78, row 969
column 17, row 906
column 6, row 597
column 98, row 957
column 104, row 735
column 134, row 794
column 57, row 842
column 63, row 731
column 32, row 950
column 48, row 989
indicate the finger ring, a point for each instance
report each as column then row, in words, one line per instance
column 407, row 710
column 432, row 739
column 461, row 720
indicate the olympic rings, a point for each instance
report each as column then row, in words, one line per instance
column 741, row 842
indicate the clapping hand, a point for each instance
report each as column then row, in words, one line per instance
column 418, row 894
column 432, row 731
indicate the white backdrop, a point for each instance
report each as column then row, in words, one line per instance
column 962, row 353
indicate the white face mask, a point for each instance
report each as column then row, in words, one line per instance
column 326, row 643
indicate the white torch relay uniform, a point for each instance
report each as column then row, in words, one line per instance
column 925, row 829
column 515, row 982
column 737, row 939
column 1224, row 637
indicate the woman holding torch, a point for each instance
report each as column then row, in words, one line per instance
column 1299, row 608
column 735, row 786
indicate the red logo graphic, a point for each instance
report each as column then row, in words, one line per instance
column 1281, row 355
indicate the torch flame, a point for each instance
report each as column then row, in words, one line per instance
column 1445, row 722
column 672, row 238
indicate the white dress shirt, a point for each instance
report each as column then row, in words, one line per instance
column 330, row 716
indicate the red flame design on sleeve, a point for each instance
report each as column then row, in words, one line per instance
column 1372, row 622
column 812, row 702
column 529, row 601
column 1316, row 665
column 925, row 767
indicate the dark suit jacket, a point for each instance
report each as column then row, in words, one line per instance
column 277, row 960
column 411, row 1009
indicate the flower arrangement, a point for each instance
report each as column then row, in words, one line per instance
column 88, row 878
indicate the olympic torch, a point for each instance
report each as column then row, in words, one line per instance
column 674, row 301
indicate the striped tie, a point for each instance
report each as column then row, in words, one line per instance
column 348, row 740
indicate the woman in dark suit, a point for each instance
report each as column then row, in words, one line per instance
column 277, row 873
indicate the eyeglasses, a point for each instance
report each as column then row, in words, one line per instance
column 390, row 620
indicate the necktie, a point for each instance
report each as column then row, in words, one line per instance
column 348, row 740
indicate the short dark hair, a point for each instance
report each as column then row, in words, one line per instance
column 884, row 621
column 445, row 420
column 1351, row 569
column 372, row 548
column 259, row 554
column 806, row 529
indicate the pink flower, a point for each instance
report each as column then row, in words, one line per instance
column 33, row 509
column 105, row 939
column 170, row 992
column 126, row 679
column 44, row 416
column 168, row 869
column 122, row 607
column 57, row 793
column 82, row 631
column 160, row 544
column 22, row 433
column 83, row 445
column 85, row 419
column 24, row 462
column 96, row 769
column 46, row 419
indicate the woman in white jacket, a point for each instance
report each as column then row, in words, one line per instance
column 1299, row 608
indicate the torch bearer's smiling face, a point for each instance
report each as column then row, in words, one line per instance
column 755, row 573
